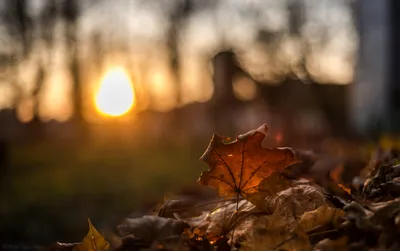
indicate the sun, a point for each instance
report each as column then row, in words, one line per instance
column 115, row 96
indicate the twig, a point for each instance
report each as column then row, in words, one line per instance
column 323, row 232
column 285, row 241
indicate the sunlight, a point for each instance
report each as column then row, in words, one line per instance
column 115, row 96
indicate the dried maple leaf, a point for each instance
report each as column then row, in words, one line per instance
column 93, row 241
column 268, row 188
column 321, row 216
column 238, row 167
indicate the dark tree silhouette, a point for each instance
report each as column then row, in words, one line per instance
column 70, row 13
column 394, row 86
column 4, row 161
column 47, row 20
column 19, row 26
column 177, row 18
column 224, row 102
column 18, row 23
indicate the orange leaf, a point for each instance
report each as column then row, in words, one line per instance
column 238, row 167
column 346, row 189
column 93, row 241
column 336, row 173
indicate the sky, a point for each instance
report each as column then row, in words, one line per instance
column 141, row 27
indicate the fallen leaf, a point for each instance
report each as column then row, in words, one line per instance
column 198, row 224
column 93, row 241
column 238, row 167
column 321, row 216
column 345, row 188
column 186, row 207
column 281, row 230
column 301, row 198
column 151, row 228
column 259, row 230
column 278, row 231
column 332, row 245
column 224, row 219
column 336, row 173
column 269, row 239
column 268, row 188
column 130, row 242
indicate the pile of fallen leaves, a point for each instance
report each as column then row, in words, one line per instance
column 271, row 199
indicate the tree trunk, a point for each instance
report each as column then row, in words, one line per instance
column 70, row 15
column 370, row 93
column 224, row 103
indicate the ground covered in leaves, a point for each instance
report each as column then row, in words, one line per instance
column 270, row 199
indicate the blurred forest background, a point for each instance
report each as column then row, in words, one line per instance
column 195, row 67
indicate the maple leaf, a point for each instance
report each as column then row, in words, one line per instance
column 268, row 188
column 321, row 216
column 238, row 167
column 93, row 241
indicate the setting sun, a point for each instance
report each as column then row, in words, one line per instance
column 115, row 96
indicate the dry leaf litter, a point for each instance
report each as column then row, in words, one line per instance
column 271, row 199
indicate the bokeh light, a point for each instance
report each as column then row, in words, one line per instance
column 115, row 96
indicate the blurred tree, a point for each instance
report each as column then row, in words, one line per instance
column 98, row 51
column 4, row 155
column 394, row 86
column 224, row 102
column 35, row 127
column 296, row 10
column 22, row 27
column 178, row 16
column 370, row 95
column 70, row 13
column 47, row 21
column 45, row 28
column 19, row 24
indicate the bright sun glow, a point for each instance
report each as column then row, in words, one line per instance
column 115, row 96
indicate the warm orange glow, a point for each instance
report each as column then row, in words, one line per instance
column 115, row 96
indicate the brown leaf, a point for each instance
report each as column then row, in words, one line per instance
column 223, row 220
column 321, row 216
column 247, row 223
column 337, row 173
column 238, row 167
column 269, row 187
column 281, row 229
column 273, row 239
column 131, row 242
column 278, row 231
column 332, row 245
column 93, row 241
column 151, row 228
column 345, row 188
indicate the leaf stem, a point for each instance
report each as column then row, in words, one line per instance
column 200, row 205
column 235, row 213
